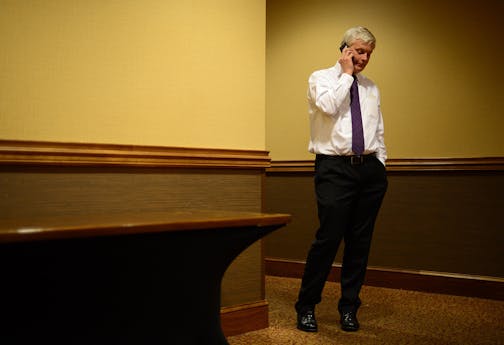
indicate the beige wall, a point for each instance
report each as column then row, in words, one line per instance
column 154, row 72
column 424, row 48
column 192, row 73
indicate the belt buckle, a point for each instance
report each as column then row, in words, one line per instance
column 356, row 160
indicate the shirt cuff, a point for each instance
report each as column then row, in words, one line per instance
column 347, row 79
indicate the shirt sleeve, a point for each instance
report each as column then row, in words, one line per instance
column 381, row 152
column 327, row 92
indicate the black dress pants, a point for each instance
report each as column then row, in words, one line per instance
column 349, row 195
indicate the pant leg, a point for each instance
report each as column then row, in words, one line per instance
column 373, row 186
column 335, row 187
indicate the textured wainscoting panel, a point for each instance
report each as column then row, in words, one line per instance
column 442, row 222
column 34, row 191
column 448, row 221
column 295, row 193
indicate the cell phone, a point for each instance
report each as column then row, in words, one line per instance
column 343, row 46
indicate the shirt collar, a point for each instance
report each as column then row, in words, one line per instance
column 360, row 77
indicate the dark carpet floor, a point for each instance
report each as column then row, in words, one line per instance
column 387, row 316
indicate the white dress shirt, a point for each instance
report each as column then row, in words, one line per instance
column 330, row 118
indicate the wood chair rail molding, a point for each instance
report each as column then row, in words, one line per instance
column 405, row 164
column 21, row 152
column 18, row 152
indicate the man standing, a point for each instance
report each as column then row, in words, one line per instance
column 350, row 178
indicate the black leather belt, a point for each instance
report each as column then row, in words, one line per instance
column 353, row 160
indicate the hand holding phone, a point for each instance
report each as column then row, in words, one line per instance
column 346, row 60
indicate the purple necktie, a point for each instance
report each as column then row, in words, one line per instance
column 357, row 131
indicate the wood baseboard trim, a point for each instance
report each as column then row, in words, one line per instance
column 244, row 318
column 425, row 281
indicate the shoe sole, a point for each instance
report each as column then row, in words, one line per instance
column 307, row 330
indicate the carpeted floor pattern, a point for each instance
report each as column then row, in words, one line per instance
column 387, row 316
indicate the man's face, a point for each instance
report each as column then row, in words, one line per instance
column 361, row 54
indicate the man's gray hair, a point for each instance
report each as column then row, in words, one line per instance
column 358, row 33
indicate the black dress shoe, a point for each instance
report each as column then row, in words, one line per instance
column 349, row 322
column 306, row 321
